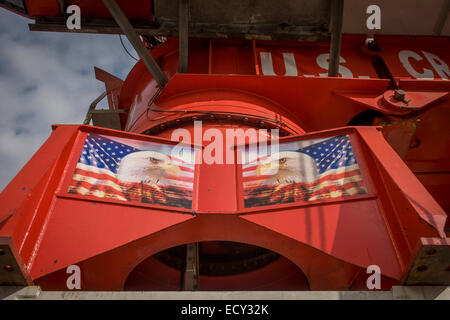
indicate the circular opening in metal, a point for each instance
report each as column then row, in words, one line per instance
column 221, row 265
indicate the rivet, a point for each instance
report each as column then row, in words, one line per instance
column 8, row 268
column 422, row 268
column 399, row 95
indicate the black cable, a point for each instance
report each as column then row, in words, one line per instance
column 123, row 45
column 149, row 104
column 148, row 107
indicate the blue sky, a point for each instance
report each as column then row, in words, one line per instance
column 47, row 78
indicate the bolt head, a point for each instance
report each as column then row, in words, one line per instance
column 8, row 268
column 399, row 95
column 422, row 268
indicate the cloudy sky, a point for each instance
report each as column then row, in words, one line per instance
column 47, row 78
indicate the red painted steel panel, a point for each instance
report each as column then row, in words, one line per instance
column 136, row 9
column 259, row 84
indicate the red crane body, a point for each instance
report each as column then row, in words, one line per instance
column 396, row 219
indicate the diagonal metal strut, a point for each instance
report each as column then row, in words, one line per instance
column 133, row 37
column 183, row 21
column 337, row 17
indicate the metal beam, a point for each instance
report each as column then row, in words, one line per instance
column 337, row 17
column 246, row 31
column 133, row 37
column 107, row 118
column 183, row 38
column 94, row 103
column 396, row 293
column 440, row 22
column 99, row 26
column 191, row 273
column 14, row 6
column 62, row 7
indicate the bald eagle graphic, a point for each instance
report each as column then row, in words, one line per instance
column 288, row 167
column 148, row 167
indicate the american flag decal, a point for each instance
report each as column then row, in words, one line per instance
column 131, row 170
column 303, row 171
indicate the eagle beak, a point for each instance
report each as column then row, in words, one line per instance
column 171, row 169
column 264, row 169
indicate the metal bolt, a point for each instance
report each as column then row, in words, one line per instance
column 8, row 268
column 422, row 268
column 371, row 43
column 399, row 95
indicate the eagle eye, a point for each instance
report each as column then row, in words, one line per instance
column 154, row 160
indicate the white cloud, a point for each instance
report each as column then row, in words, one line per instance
column 47, row 78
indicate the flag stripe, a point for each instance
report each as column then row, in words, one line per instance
column 91, row 172
column 333, row 175
column 293, row 193
column 95, row 175
column 338, row 174
column 338, row 183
